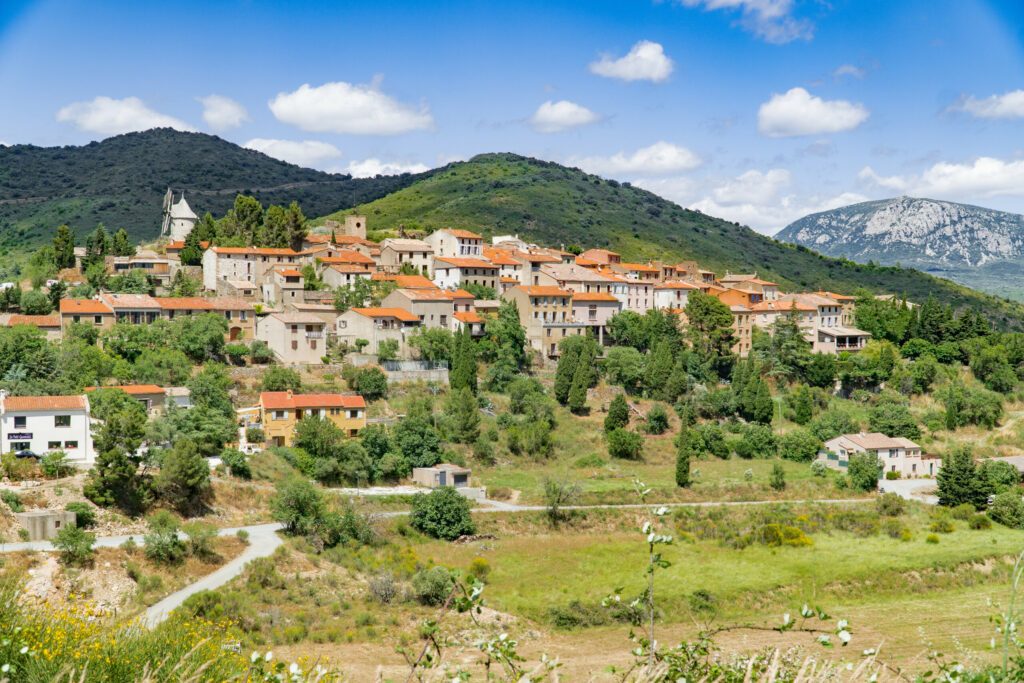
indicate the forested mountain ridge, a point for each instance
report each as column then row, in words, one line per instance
column 121, row 182
column 553, row 204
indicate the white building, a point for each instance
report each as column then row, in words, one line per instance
column 244, row 264
column 896, row 454
column 453, row 272
column 450, row 242
column 42, row 424
column 673, row 294
column 181, row 219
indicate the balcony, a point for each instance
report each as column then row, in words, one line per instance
column 315, row 335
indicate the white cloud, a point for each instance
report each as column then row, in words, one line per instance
column 222, row 113
column 753, row 187
column 661, row 158
column 868, row 176
column 1006, row 106
column 368, row 168
column 771, row 217
column 553, row 117
column 849, row 70
column 107, row 116
column 797, row 112
column 646, row 61
column 346, row 108
column 309, row 153
column 769, row 20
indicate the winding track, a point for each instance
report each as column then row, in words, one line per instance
column 264, row 540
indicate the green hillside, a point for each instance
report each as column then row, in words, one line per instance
column 552, row 204
column 121, row 182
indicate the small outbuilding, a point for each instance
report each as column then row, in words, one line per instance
column 43, row 525
column 444, row 474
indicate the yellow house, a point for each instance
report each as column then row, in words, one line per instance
column 280, row 412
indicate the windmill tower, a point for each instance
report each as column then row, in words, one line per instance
column 179, row 218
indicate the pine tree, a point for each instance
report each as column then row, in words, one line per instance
column 64, row 248
column 114, row 480
column 192, row 253
column 120, row 245
column 578, row 392
column 295, row 226
column 618, row 414
column 778, row 477
column 960, row 482
column 763, row 408
column 802, row 404
column 683, row 453
column 678, row 382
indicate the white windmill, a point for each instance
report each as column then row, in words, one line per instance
column 179, row 218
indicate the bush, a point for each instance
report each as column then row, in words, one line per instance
column 11, row 499
column 963, row 512
column 237, row 463
column 778, row 477
column 757, row 441
column 162, row 543
column 657, row 420
column 55, row 465
column 370, row 383
column 625, row 444
column 75, row 545
column 443, row 513
column 892, row 476
column 942, row 525
column 279, row 378
column 383, row 588
column 432, row 586
column 254, row 435
column 890, row 505
column 894, row 528
column 1008, row 509
column 200, row 539
column 577, row 615
column 864, row 470
column 85, row 515
column 799, row 445
column 979, row 522
column 931, row 538
column 479, row 568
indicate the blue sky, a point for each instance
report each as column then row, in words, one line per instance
column 758, row 111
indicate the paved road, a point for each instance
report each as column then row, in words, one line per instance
column 912, row 489
column 264, row 540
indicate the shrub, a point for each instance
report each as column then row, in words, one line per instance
column 443, row 513
column 657, row 420
column 625, row 444
column 85, row 515
column 757, row 441
column 237, row 463
column 618, row 414
column 254, row 435
column 979, row 522
column 942, row 525
column 892, row 476
column 162, row 542
column 864, row 470
column 432, row 586
column 577, row 615
column 479, row 568
column 370, row 383
column 963, row 512
column 279, row 378
column 243, row 536
column 55, row 465
column 200, row 539
column 931, row 538
column 184, row 478
column 780, row 534
column 11, row 499
column 75, row 545
column 819, row 469
column 894, row 528
column 890, row 505
column 778, row 477
column 1007, row 509
column 799, row 445
column 383, row 588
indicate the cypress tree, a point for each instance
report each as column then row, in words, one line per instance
column 578, row 392
column 763, row 408
column 618, row 414
column 658, row 369
column 778, row 477
column 567, row 362
column 463, row 365
column 683, row 453
column 465, row 416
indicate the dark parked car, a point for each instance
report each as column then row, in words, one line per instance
column 26, row 454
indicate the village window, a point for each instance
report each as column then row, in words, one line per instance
column 295, row 344
column 98, row 319
column 61, row 420
column 354, row 414
column 53, row 445
column 312, row 344
column 227, row 315
column 20, row 421
column 70, row 445
column 295, row 329
column 280, row 414
column 76, row 318
column 20, row 446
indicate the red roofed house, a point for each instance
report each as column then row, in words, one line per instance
column 469, row 320
column 43, row 424
column 595, row 309
column 434, row 307
column 85, row 312
column 245, row 264
column 281, row 412
column 546, row 313
column 152, row 397
column 344, row 274
column 453, row 272
column 452, row 242
column 673, row 294
column 48, row 324
column 295, row 338
column 282, row 285
column 375, row 325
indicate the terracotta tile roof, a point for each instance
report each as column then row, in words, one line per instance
column 84, row 306
column 537, row 258
column 587, row 263
column 509, row 279
column 676, row 284
column 116, row 301
column 401, row 244
column 184, row 303
column 408, row 281
column 31, row 403
column 318, row 239
column 133, row 389
column 424, row 294
column 462, row 234
column 288, row 272
column 842, row 298
column 230, row 303
column 34, row 320
column 594, row 253
column 462, row 262
column 500, row 257
column 352, row 239
column 298, row 318
column 763, row 283
column 347, row 256
column 397, row 313
column 255, row 251
column 873, row 440
column 542, row 290
column 458, row 294
column 468, row 317
column 639, row 267
column 780, row 307
column 593, row 296
column 276, row 400
column 349, row 268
